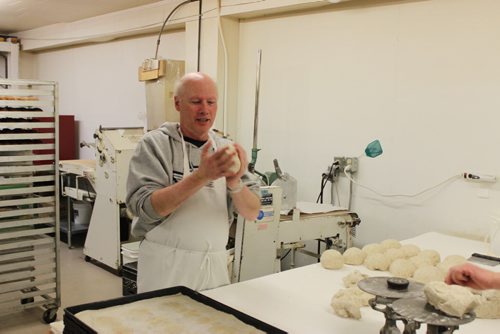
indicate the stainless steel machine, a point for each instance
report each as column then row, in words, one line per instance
column 259, row 243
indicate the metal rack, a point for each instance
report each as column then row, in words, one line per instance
column 29, row 197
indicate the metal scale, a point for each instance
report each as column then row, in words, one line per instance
column 405, row 301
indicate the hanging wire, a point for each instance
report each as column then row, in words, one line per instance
column 165, row 22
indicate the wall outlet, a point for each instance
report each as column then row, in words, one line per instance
column 347, row 161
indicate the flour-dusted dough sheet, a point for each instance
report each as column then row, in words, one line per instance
column 167, row 314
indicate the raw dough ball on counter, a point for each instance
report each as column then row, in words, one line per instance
column 353, row 278
column 410, row 250
column 490, row 305
column 421, row 261
column 453, row 300
column 428, row 274
column 402, row 268
column 356, row 292
column 377, row 261
column 432, row 255
column 393, row 254
column 346, row 307
column 331, row 259
column 347, row 303
column 354, row 256
column 373, row 248
column 235, row 167
column 390, row 243
column 451, row 261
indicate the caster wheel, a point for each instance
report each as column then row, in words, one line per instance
column 87, row 258
column 50, row 315
column 27, row 300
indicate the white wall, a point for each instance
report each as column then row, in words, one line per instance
column 98, row 83
column 421, row 76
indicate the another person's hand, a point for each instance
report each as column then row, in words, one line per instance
column 472, row 276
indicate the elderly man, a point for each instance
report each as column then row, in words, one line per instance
column 183, row 189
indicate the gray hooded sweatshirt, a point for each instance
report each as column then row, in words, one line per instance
column 157, row 163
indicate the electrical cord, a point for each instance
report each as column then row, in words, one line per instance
column 347, row 174
column 283, row 257
column 324, row 180
column 165, row 22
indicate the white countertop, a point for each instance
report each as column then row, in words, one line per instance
column 298, row 300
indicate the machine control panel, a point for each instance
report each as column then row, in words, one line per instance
column 266, row 198
column 267, row 211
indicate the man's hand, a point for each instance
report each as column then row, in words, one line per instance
column 233, row 181
column 215, row 165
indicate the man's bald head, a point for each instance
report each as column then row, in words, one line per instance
column 189, row 79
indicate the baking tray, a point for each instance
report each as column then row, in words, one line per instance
column 73, row 325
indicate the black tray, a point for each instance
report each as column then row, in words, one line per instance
column 73, row 325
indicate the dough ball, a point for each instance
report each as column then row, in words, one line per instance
column 377, row 261
column 432, row 255
column 451, row 261
column 354, row 256
column 331, row 259
column 346, row 307
column 454, row 300
column 373, row 248
column 402, row 268
column 410, row 250
column 390, row 243
column 353, row 278
column 428, row 274
column 394, row 253
column 347, row 303
column 355, row 292
column 235, row 167
column 420, row 261
column 489, row 308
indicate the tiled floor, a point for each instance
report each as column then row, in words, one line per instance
column 81, row 282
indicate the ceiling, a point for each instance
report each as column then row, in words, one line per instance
column 21, row 15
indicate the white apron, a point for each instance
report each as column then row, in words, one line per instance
column 189, row 247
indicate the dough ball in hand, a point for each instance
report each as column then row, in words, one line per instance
column 354, row 256
column 331, row 259
column 236, row 165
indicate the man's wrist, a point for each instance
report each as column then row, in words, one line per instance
column 236, row 189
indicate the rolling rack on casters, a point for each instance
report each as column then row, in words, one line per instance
column 29, row 197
